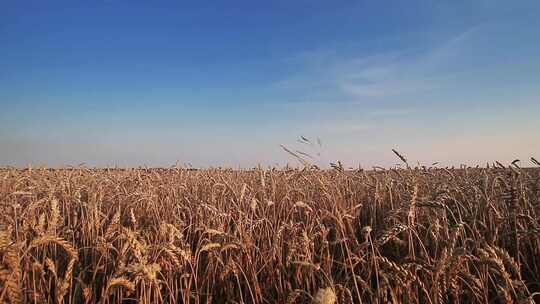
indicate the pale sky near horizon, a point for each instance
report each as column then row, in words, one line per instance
column 225, row 83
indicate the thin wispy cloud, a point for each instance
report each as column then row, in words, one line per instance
column 385, row 88
column 387, row 74
column 394, row 111
column 368, row 88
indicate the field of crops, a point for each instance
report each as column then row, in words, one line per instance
column 270, row 236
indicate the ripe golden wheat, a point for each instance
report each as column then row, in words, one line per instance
column 414, row 235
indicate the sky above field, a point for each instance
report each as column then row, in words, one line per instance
column 225, row 83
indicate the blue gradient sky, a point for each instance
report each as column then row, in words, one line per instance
column 226, row 82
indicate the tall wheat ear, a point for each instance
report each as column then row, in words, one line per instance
column 325, row 296
column 10, row 271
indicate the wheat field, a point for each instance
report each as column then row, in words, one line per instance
column 416, row 235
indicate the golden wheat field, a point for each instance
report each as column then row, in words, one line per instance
column 419, row 235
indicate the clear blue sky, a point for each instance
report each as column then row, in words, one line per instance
column 226, row 82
